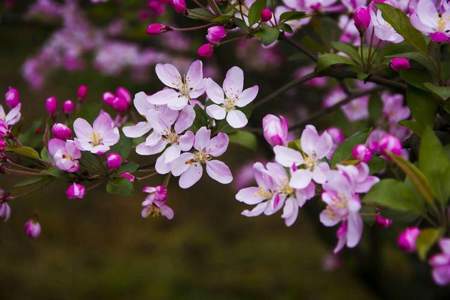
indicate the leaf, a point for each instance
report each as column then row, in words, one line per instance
column 416, row 78
column 267, row 34
column 435, row 164
column 419, row 180
column 426, row 239
column 377, row 165
column 129, row 167
column 330, row 59
column 400, row 22
column 344, row 151
column 119, row 186
column 200, row 14
column 292, row 15
column 245, row 139
column 24, row 151
column 423, row 107
column 396, row 195
column 442, row 92
column 350, row 50
column 201, row 118
column 91, row 163
column 254, row 13
column 123, row 147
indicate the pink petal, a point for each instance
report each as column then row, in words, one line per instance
column 185, row 119
column 219, row 171
column 300, row 179
column 287, row 156
column 137, row 130
column 163, row 97
column 186, row 141
column 249, row 196
column 161, row 166
column 171, row 153
column 202, row 138
column 218, row 144
column 234, row 82
column 191, row 176
column 168, row 75
column 237, row 119
column 141, row 103
column 54, row 145
column 194, row 75
column 256, row 211
column 354, row 229
column 82, row 128
column 180, row 165
column 214, row 92
column 13, row 115
column 309, row 139
column 247, row 96
column 143, row 149
column 290, row 211
column 216, row 112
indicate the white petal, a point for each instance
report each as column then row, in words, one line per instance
column 219, row 171
column 247, row 96
column 216, row 112
column 191, row 176
column 300, row 179
column 137, row 130
column 168, row 75
column 236, row 119
column 287, row 157
column 214, row 92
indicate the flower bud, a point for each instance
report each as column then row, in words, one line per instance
column 128, row 176
column 266, row 14
column 108, row 98
column 362, row 18
column 216, row 34
column 439, row 37
column 61, row 131
column 123, row 93
column 5, row 211
column 75, row 191
column 156, row 28
column 390, row 144
column 275, row 129
column 68, row 107
column 113, row 161
column 400, row 63
column 32, row 228
column 82, row 92
column 50, row 105
column 383, row 222
column 179, row 5
column 362, row 153
column 407, row 239
column 120, row 104
column 206, row 50
column 12, row 97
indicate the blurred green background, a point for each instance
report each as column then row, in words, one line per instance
column 100, row 248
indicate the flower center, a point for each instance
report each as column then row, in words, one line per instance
column 310, row 161
column 96, row 139
column 201, row 157
column 171, row 137
column 441, row 24
column 264, row 193
column 185, row 89
column 286, row 189
column 229, row 104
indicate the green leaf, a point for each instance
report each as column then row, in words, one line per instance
column 419, row 180
column 254, row 13
column 396, row 195
column 201, row 118
column 123, row 147
column 377, row 165
column 423, row 107
column 330, row 59
column 119, row 186
column 92, row 163
column 292, row 15
column 129, row 167
column 400, row 22
column 245, row 138
column 200, row 14
column 416, row 78
column 426, row 239
column 442, row 92
column 435, row 164
column 267, row 34
column 375, row 108
column 350, row 50
column 344, row 151
column 24, row 151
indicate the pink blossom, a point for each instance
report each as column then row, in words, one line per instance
column 390, row 144
column 216, row 34
column 311, row 6
column 362, row 153
column 32, row 228
column 407, row 239
column 64, row 154
column 273, row 193
column 309, row 164
column 230, row 98
column 393, row 107
column 12, row 97
column 155, row 203
column 441, row 263
column 362, row 18
column 356, row 110
column 429, row 20
column 9, row 119
column 75, row 191
column 180, row 89
column 383, row 30
column 275, row 129
column 97, row 138
column 189, row 164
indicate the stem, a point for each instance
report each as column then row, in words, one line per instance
column 285, row 87
column 191, row 28
column 20, row 172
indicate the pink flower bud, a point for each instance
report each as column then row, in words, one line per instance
column 216, row 34
column 3, row 145
column 156, row 28
column 82, row 92
column 113, row 161
column 362, row 18
column 383, row 222
column 51, row 104
column 206, row 50
column 390, row 144
column 12, row 97
column 178, row 5
column 266, row 14
column 68, row 107
column 5, row 211
column 32, row 229
column 336, row 134
column 108, row 98
column 400, row 63
column 61, row 131
column 123, row 93
column 407, row 239
column 75, row 191
column 120, row 104
column 275, row 129
column 362, row 153
column 128, row 176
column 439, row 37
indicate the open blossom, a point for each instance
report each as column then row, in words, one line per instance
column 428, row 19
column 383, row 30
column 181, row 89
column 441, row 263
column 155, row 203
column 189, row 165
column 273, row 193
column 65, row 154
column 230, row 98
column 308, row 164
column 97, row 138
column 341, row 194
column 9, row 119
column 143, row 107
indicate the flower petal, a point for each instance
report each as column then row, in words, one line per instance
column 163, row 97
column 219, row 171
column 185, row 119
column 216, row 112
column 237, row 119
column 180, row 165
column 82, row 128
column 137, row 130
column 249, row 196
column 256, row 211
column 202, row 138
column 287, row 157
column 169, row 75
column 191, row 176
column 194, row 76
column 214, row 92
column 234, row 82
column 247, row 96
column 300, row 179
column 218, row 144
